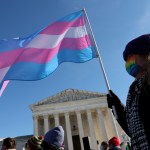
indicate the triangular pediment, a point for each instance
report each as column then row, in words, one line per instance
column 69, row 95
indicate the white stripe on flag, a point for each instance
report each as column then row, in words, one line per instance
column 3, row 72
column 3, row 87
column 51, row 41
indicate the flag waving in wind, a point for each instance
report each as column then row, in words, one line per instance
column 38, row 55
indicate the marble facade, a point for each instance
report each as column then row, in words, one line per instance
column 81, row 113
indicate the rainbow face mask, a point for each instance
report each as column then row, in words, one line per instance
column 131, row 66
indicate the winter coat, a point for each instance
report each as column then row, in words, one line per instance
column 137, row 102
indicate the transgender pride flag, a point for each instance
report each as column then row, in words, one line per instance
column 38, row 55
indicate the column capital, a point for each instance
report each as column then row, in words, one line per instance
column 88, row 110
column 98, row 110
column 78, row 112
column 45, row 116
column 66, row 113
column 55, row 114
column 35, row 117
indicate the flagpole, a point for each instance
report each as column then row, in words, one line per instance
column 100, row 61
column 98, row 55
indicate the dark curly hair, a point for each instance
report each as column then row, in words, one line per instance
column 10, row 143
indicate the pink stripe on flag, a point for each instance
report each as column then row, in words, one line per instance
column 3, row 87
column 60, row 27
column 8, row 58
column 44, row 55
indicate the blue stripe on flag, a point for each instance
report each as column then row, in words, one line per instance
column 72, row 16
column 35, row 71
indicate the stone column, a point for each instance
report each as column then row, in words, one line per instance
column 102, row 125
column 92, row 130
column 113, row 122
column 68, row 129
column 35, row 126
column 46, row 123
column 56, row 117
column 80, row 128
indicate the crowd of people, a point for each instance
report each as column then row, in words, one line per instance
column 54, row 140
column 115, row 144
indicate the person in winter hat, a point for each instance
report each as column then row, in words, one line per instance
column 133, row 117
column 114, row 143
column 54, row 139
column 9, row 144
column 34, row 143
column 104, row 145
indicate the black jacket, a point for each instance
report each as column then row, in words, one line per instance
column 144, row 110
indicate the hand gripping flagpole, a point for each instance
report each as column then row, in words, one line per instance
column 100, row 61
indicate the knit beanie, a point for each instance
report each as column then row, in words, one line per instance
column 55, row 137
column 114, row 141
column 35, row 142
column 139, row 45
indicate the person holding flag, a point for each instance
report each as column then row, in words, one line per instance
column 133, row 118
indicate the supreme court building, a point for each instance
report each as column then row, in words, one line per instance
column 81, row 113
